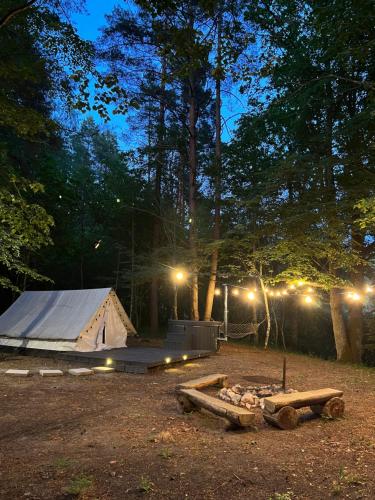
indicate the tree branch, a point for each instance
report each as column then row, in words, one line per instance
column 13, row 12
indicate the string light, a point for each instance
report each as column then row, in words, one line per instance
column 300, row 283
column 310, row 290
column 272, row 293
column 369, row 289
column 251, row 295
column 285, row 292
column 235, row 292
column 356, row 297
column 292, row 287
column 178, row 276
column 278, row 294
column 97, row 244
column 217, row 292
column 308, row 299
column 118, row 200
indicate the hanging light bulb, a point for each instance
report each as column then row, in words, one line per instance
column 272, row 293
column 369, row 289
column 217, row 292
column 310, row 290
column 292, row 287
column 285, row 292
column 251, row 295
column 308, row 299
column 278, row 294
column 356, row 297
column 300, row 283
column 235, row 292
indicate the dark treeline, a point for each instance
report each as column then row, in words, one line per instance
column 286, row 206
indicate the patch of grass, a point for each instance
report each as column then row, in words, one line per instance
column 345, row 479
column 145, row 485
column 353, row 479
column 166, row 453
column 79, row 484
column 64, row 463
column 336, row 488
column 289, row 495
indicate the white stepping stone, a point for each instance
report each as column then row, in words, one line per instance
column 18, row 373
column 50, row 373
column 79, row 372
column 103, row 369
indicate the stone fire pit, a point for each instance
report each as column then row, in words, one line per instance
column 252, row 396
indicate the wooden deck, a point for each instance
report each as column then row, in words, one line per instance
column 130, row 359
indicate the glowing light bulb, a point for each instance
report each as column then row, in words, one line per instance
column 278, row 294
column 108, row 361
column 118, row 200
column 272, row 293
column 251, row 295
column 356, row 297
column 285, row 292
column 235, row 292
column 300, row 283
column 217, row 292
column 308, row 299
column 184, row 357
column 310, row 290
column 369, row 289
column 180, row 276
column 292, row 287
column 167, row 360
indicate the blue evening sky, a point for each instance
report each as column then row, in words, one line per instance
column 88, row 25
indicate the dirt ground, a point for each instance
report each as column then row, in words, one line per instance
column 121, row 436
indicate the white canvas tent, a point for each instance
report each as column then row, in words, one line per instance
column 68, row 320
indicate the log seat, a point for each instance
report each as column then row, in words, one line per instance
column 190, row 399
column 281, row 410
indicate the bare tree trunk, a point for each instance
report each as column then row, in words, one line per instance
column 294, row 321
column 355, row 321
column 154, row 293
column 267, row 309
column 132, row 288
column 217, row 180
column 194, row 313
column 339, row 330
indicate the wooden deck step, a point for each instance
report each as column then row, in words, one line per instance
column 300, row 399
column 202, row 382
column 235, row 414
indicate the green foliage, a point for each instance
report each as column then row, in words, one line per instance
column 24, row 229
column 79, row 484
column 366, row 207
column 146, row 485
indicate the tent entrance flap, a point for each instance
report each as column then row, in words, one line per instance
column 105, row 331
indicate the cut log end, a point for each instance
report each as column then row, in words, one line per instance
column 286, row 419
column 184, row 405
column 334, row 408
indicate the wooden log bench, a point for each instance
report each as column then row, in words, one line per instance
column 281, row 410
column 200, row 383
column 190, row 398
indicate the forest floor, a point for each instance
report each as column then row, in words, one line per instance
column 119, row 436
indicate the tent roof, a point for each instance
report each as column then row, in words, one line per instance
column 52, row 315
